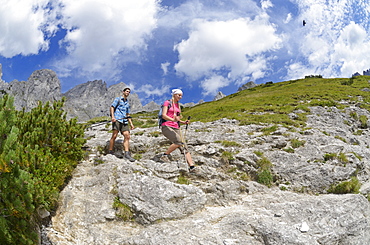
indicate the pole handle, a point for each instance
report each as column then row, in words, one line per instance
column 188, row 123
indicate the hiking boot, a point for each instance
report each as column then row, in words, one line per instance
column 110, row 153
column 118, row 154
column 128, row 156
column 192, row 169
column 164, row 158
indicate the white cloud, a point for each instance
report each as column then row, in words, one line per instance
column 23, row 24
column 352, row 42
column 217, row 43
column 103, row 34
column 299, row 70
column 212, row 85
column 236, row 45
column 164, row 67
column 149, row 90
column 221, row 10
column 331, row 43
column 265, row 4
column 288, row 18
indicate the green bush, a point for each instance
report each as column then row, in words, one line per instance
column 38, row 152
column 269, row 130
column 351, row 186
column 363, row 121
column 347, row 82
column 354, row 115
column 330, row 156
column 289, row 150
column 183, row 180
column 123, row 211
column 264, row 163
column 258, row 153
column 265, row 177
column 155, row 133
column 227, row 143
column 342, row 158
column 227, row 156
column 295, row 143
column 264, row 174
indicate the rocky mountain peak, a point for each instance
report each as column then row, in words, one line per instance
column 84, row 101
column 42, row 85
column 248, row 85
column 219, row 96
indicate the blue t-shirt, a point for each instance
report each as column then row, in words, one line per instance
column 122, row 109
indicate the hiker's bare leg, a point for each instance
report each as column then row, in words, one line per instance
column 113, row 139
column 172, row 148
column 126, row 140
column 189, row 159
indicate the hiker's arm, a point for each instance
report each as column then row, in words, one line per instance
column 185, row 122
column 112, row 113
column 130, row 121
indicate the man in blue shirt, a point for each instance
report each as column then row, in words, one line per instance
column 120, row 113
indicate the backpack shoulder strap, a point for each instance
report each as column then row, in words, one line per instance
column 119, row 101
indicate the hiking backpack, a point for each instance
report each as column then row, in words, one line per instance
column 160, row 118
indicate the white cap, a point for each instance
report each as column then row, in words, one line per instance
column 176, row 91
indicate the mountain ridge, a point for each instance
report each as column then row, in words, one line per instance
column 84, row 101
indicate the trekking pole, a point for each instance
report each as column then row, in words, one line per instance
column 185, row 147
column 184, row 142
column 100, row 123
column 186, row 128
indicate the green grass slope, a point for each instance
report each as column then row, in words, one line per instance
column 272, row 102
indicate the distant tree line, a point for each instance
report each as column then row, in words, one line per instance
column 313, row 76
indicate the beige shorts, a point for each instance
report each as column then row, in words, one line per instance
column 173, row 135
column 120, row 126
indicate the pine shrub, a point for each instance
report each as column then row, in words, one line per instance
column 38, row 151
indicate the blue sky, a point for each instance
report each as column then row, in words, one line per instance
column 200, row 46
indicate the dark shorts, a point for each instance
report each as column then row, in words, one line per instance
column 173, row 135
column 122, row 127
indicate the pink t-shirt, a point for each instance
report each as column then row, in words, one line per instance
column 170, row 112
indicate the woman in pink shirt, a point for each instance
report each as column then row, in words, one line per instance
column 171, row 113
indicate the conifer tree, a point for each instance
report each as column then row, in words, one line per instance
column 38, row 151
column 52, row 146
column 16, row 205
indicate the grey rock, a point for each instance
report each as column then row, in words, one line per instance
column 151, row 106
column 154, row 199
column 191, row 104
column 42, row 85
column 221, row 203
column 248, row 85
column 219, row 96
column 93, row 99
column 87, row 100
